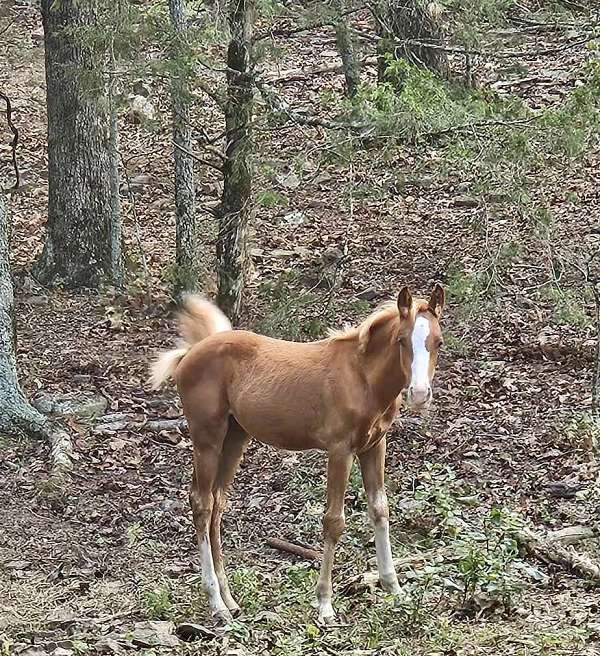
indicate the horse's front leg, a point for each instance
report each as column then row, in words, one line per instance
column 372, row 465
column 338, row 471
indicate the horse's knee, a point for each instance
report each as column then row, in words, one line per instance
column 379, row 509
column 334, row 524
column 201, row 507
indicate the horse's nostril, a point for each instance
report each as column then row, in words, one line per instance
column 420, row 395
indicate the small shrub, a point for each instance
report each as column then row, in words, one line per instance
column 463, row 287
column 568, row 307
column 158, row 603
column 584, row 432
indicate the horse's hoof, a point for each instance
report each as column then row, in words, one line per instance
column 234, row 608
column 222, row 615
column 390, row 585
column 326, row 613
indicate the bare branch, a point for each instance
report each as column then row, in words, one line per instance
column 198, row 158
column 15, row 140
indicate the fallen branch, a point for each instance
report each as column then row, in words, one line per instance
column 490, row 54
column 279, row 106
column 120, row 423
column 158, row 425
column 476, row 124
column 61, row 452
column 553, row 551
column 305, row 28
column 370, row 578
column 296, row 74
column 574, row 534
column 304, row 552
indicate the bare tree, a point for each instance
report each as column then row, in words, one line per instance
column 80, row 238
column 410, row 29
column 186, row 248
column 235, row 209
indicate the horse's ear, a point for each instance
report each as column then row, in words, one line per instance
column 404, row 302
column 437, row 300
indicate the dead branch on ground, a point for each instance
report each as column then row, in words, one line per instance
column 297, row 550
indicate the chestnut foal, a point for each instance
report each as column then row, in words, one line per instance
column 339, row 395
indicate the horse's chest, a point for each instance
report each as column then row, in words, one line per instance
column 377, row 429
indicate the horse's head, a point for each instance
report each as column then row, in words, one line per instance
column 420, row 339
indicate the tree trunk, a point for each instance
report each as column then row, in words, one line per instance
column 235, row 209
column 116, row 225
column 186, row 247
column 345, row 46
column 17, row 417
column 404, row 25
column 80, row 239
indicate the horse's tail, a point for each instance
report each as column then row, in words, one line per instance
column 199, row 319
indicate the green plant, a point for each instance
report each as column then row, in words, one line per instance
column 6, row 645
column 584, row 431
column 568, row 306
column 271, row 198
column 158, row 602
column 246, row 586
column 281, row 319
column 134, row 533
column 463, row 287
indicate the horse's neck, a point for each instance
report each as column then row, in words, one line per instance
column 382, row 367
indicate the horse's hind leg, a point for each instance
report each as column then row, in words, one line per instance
column 207, row 442
column 233, row 449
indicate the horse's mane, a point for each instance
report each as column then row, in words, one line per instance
column 384, row 312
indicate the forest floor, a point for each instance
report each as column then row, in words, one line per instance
column 84, row 566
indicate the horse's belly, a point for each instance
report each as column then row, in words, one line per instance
column 284, row 430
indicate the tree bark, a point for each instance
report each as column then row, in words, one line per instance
column 403, row 23
column 80, row 238
column 186, row 247
column 116, row 226
column 345, row 45
column 17, row 417
column 235, row 210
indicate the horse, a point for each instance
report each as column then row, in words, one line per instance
column 339, row 394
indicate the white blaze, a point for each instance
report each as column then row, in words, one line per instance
column 420, row 361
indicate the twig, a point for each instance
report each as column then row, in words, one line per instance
column 476, row 124
column 279, row 105
column 7, row 26
column 198, row 158
column 502, row 54
column 593, row 281
column 15, row 140
column 303, row 73
column 306, row 28
column 290, row 547
column 342, row 261
column 136, row 225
